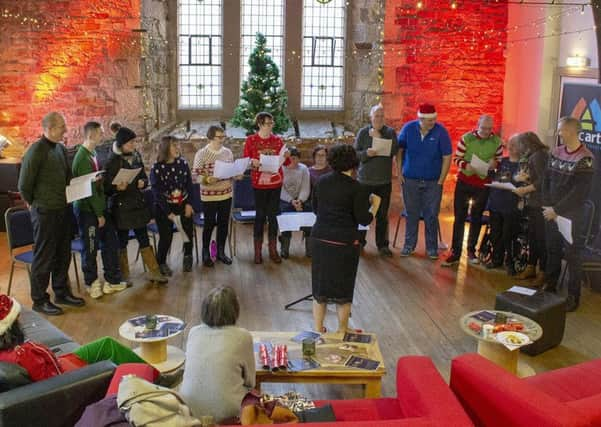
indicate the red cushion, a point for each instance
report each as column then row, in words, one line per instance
column 386, row 408
column 422, row 392
column 141, row 370
column 591, row 406
column 571, row 383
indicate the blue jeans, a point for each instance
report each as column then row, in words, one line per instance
column 422, row 200
column 94, row 238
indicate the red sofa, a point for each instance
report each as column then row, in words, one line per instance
column 566, row 397
column 423, row 399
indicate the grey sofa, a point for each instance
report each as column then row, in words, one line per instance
column 58, row 401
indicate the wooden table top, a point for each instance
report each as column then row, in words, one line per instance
column 531, row 328
column 327, row 352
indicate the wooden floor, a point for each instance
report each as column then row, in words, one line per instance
column 413, row 304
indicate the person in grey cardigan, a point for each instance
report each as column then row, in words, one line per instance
column 375, row 171
column 296, row 191
column 220, row 361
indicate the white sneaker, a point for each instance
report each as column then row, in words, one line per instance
column 95, row 290
column 111, row 288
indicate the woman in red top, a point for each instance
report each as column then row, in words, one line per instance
column 267, row 185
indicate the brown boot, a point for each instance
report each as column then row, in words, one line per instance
column 273, row 251
column 150, row 261
column 528, row 273
column 124, row 264
column 258, row 255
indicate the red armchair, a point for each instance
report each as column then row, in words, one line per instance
column 423, row 398
column 566, row 397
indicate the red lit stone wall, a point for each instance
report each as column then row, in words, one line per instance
column 78, row 57
column 450, row 57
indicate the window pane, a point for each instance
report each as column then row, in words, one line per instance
column 199, row 57
column 324, row 33
column 266, row 17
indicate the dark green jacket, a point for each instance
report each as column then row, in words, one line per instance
column 83, row 163
column 44, row 175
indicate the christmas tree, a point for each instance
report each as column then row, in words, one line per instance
column 262, row 91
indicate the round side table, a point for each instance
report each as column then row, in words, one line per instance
column 155, row 350
column 492, row 349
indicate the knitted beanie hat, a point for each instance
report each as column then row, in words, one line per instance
column 9, row 310
column 124, row 135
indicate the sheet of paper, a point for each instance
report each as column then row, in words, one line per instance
column 522, row 290
column 180, row 228
column 79, row 190
column 293, row 221
column 81, row 187
column 269, row 164
column 479, row 165
column 565, row 228
column 501, row 185
column 382, row 146
column 248, row 213
column 126, row 175
column 225, row 170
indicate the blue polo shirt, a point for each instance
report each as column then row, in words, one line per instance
column 422, row 159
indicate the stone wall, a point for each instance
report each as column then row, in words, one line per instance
column 79, row 57
column 451, row 57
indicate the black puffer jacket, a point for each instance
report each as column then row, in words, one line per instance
column 128, row 207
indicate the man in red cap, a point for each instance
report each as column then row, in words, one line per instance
column 480, row 146
column 424, row 158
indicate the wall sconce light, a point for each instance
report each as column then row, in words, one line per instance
column 578, row 61
column 4, row 142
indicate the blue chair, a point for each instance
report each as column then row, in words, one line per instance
column 76, row 248
column 19, row 233
column 153, row 229
column 198, row 217
column 243, row 210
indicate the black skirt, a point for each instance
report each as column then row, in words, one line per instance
column 334, row 269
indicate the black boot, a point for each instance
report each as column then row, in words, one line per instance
column 206, row 257
column 221, row 256
column 285, row 246
column 188, row 261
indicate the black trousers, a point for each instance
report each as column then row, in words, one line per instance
column 267, row 205
column 165, row 227
column 537, row 251
column 216, row 214
column 383, row 191
column 503, row 229
column 557, row 249
column 463, row 194
column 52, row 234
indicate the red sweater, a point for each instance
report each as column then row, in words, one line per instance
column 271, row 146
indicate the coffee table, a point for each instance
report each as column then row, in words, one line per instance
column 155, row 351
column 496, row 352
column 327, row 373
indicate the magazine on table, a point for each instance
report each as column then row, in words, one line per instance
column 141, row 320
column 306, row 335
column 355, row 337
column 163, row 331
column 362, row 363
column 303, row 364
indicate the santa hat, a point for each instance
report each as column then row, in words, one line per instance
column 426, row 111
column 9, row 310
